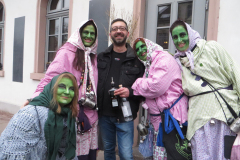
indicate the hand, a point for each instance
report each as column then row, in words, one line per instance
column 122, row 92
column 25, row 103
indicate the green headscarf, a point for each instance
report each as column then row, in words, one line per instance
column 53, row 127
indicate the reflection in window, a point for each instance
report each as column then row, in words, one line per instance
column 185, row 12
column 164, row 15
column 55, row 5
column 163, row 37
column 57, row 28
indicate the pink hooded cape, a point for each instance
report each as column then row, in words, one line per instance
column 63, row 62
column 163, row 85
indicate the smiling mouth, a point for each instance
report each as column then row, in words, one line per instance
column 181, row 45
column 65, row 97
column 88, row 40
column 144, row 54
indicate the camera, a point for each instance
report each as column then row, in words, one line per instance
column 234, row 124
column 143, row 131
column 89, row 101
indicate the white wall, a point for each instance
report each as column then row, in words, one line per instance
column 123, row 5
column 229, row 27
column 15, row 92
column 80, row 13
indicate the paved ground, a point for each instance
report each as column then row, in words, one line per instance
column 5, row 117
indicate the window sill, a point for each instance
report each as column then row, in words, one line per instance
column 37, row 76
column 1, row 73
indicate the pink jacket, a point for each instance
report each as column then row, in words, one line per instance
column 63, row 63
column 162, row 88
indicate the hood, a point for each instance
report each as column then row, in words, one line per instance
column 151, row 47
column 76, row 39
column 194, row 37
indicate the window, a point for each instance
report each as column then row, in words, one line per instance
column 57, row 28
column 160, row 14
column 1, row 34
column 163, row 21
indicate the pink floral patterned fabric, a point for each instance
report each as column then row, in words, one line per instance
column 162, row 87
column 89, row 140
column 159, row 153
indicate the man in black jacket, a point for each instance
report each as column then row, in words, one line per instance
column 119, row 63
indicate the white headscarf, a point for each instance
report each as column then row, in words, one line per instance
column 151, row 47
column 76, row 40
column 194, row 37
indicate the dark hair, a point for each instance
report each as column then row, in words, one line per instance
column 135, row 42
column 119, row 19
column 178, row 23
column 79, row 60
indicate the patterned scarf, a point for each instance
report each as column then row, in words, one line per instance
column 76, row 40
column 194, row 37
column 151, row 47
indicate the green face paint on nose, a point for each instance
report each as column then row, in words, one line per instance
column 65, row 91
column 180, row 38
column 141, row 50
column 88, row 35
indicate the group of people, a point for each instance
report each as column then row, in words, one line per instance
column 187, row 97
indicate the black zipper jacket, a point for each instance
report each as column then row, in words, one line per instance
column 130, row 70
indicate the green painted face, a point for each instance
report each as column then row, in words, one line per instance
column 180, row 38
column 141, row 50
column 65, row 91
column 88, row 35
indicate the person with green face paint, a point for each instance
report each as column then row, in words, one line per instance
column 141, row 50
column 88, row 35
column 65, row 91
column 206, row 67
column 161, row 85
column 180, row 38
column 44, row 129
column 79, row 57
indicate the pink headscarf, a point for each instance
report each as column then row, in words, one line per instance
column 76, row 40
column 194, row 37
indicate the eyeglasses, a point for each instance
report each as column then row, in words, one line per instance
column 121, row 28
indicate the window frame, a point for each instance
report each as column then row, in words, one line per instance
column 59, row 14
column 2, row 24
column 40, row 37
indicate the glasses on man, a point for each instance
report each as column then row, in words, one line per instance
column 121, row 28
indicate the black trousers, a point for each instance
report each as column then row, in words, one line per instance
column 91, row 156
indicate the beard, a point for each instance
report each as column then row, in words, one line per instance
column 119, row 42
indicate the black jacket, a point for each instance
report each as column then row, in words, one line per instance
column 130, row 70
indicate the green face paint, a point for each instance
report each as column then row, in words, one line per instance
column 88, row 35
column 141, row 50
column 65, row 91
column 180, row 38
